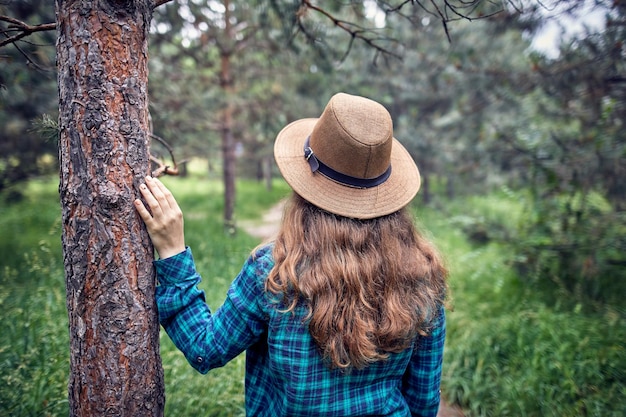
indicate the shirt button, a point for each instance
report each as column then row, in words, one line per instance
column 199, row 359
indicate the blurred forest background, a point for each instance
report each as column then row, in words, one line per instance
column 522, row 148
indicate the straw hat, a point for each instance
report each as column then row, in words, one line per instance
column 347, row 161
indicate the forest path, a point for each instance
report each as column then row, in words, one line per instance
column 267, row 228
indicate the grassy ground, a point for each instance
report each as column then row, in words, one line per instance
column 506, row 354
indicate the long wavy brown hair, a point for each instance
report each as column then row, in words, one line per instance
column 370, row 286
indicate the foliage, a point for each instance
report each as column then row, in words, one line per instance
column 572, row 242
column 571, row 249
column 27, row 92
column 532, row 361
column 33, row 347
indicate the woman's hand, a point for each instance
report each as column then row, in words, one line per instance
column 164, row 220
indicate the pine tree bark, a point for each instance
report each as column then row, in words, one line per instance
column 115, row 366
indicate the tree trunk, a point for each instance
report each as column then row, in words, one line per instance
column 228, row 142
column 229, row 158
column 267, row 171
column 450, row 187
column 115, row 366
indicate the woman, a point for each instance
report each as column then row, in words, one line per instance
column 342, row 315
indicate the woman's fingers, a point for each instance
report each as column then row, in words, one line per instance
column 143, row 211
column 157, row 196
column 164, row 193
column 154, row 194
column 165, row 205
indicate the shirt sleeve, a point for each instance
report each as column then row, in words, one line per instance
column 208, row 340
column 422, row 380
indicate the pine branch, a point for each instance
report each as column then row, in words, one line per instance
column 23, row 29
column 354, row 30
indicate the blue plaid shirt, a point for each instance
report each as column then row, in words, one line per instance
column 285, row 374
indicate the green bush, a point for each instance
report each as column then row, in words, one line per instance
column 573, row 247
column 508, row 351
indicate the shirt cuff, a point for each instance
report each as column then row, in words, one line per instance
column 176, row 269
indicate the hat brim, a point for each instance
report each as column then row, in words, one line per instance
column 396, row 192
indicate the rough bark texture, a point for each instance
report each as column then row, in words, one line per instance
column 115, row 366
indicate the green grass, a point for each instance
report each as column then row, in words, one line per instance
column 33, row 327
column 507, row 354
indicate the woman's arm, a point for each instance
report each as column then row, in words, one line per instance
column 422, row 380
column 207, row 340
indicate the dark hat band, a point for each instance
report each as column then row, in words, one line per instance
column 317, row 165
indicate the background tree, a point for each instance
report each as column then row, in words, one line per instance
column 224, row 41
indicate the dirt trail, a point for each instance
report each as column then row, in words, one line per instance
column 267, row 227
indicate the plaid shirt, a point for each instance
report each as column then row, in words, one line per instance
column 285, row 374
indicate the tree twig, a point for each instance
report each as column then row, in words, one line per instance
column 23, row 29
column 354, row 30
column 162, row 168
column 28, row 59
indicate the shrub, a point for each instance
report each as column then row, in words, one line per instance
column 508, row 352
column 574, row 247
